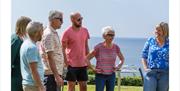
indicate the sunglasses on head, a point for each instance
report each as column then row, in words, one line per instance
column 112, row 35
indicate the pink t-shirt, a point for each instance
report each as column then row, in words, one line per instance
column 105, row 58
column 76, row 46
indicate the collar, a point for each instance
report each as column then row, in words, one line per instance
column 29, row 39
column 52, row 29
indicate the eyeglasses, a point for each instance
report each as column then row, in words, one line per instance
column 111, row 35
column 79, row 19
column 60, row 19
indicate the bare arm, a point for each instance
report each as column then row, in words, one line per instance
column 121, row 58
column 89, row 57
column 36, row 76
column 52, row 65
column 87, row 47
column 144, row 62
column 64, row 46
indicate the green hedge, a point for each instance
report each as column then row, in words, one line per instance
column 91, row 79
column 126, row 81
column 131, row 81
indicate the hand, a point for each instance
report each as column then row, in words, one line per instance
column 98, row 71
column 147, row 69
column 93, row 70
column 116, row 68
column 59, row 81
column 66, row 63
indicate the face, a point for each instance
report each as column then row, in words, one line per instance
column 57, row 22
column 39, row 34
column 77, row 20
column 109, row 36
column 158, row 32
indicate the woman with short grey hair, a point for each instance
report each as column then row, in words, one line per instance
column 105, row 54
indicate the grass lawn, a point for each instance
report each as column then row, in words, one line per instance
column 123, row 88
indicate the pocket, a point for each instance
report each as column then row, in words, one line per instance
column 148, row 72
column 65, row 70
column 45, row 80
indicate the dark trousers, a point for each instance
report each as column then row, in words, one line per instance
column 50, row 83
column 16, row 84
column 16, row 80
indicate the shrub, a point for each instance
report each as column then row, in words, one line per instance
column 131, row 81
column 90, row 72
column 91, row 79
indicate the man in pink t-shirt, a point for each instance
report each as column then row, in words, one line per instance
column 75, row 48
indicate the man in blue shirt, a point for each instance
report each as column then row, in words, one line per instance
column 31, row 64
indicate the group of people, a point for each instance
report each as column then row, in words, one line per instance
column 39, row 55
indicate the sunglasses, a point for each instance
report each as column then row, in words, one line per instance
column 79, row 19
column 111, row 35
column 60, row 19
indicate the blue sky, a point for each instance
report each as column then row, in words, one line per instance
column 130, row 18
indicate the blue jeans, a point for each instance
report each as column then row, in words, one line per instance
column 156, row 80
column 105, row 80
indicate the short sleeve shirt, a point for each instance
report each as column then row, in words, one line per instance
column 29, row 53
column 105, row 58
column 76, row 46
column 51, row 42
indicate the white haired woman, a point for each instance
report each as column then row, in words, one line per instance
column 155, row 59
column 105, row 54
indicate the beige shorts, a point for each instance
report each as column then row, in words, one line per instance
column 30, row 88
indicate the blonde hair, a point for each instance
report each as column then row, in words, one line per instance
column 21, row 24
column 165, row 28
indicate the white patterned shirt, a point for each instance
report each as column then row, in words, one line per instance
column 50, row 42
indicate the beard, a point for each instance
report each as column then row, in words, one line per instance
column 39, row 38
column 58, row 27
column 77, row 25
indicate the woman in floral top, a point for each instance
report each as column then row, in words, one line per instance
column 155, row 60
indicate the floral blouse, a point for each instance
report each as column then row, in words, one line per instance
column 157, row 57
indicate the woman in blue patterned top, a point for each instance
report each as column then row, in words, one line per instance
column 155, row 60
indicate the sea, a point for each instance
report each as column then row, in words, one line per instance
column 131, row 49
